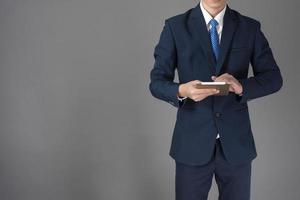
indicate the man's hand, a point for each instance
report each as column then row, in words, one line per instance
column 189, row 90
column 235, row 85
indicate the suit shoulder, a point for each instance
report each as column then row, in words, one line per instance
column 247, row 20
column 179, row 17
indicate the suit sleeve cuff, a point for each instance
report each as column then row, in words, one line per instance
column 175, row 99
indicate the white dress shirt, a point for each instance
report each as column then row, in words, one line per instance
column 207, row 17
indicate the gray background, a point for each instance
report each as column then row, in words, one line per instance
column 77, row 120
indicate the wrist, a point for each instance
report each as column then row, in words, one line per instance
column 181, row 90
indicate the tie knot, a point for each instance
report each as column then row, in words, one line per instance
column 213, row 23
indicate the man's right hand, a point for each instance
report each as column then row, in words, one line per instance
column 189, row 90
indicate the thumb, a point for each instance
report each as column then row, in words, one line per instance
column 213, row 77
column 196, row 82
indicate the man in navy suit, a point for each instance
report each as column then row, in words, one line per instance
column 212, row 133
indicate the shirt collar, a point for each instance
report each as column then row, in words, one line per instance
column 219, row 17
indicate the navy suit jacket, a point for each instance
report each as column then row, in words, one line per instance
column 184, row 45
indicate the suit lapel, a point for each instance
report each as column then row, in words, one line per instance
column 199, row 30
column 229, row 27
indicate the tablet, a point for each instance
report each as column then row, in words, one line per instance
column 223, row 87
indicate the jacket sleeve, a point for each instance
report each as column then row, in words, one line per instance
column 267, row 78
column 162, row 85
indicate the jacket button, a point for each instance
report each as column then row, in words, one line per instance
column 218, row 114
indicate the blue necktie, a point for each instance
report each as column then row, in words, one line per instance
column 214, row 37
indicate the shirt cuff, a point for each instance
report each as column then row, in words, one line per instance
column 181, row 98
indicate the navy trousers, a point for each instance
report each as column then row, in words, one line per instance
column 194, row 182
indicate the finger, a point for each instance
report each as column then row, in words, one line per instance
column 230, row 82
column 224, row 78
column 198, row 98
column 213, row 93
column 220, row 79
column 202, row 96
column 205, row 91
column 226, row 75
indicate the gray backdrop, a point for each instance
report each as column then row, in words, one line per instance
column 77, row 120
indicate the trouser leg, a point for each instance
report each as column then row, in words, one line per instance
column 193, row 182
column 233, row 181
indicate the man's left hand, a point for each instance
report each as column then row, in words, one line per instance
column 235, row 85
